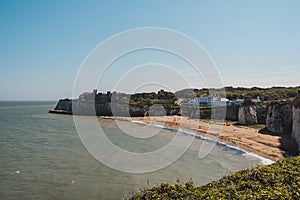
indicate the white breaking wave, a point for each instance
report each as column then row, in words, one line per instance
column 245, row 153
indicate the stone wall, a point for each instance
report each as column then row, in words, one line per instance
column 86, row 107
column 92, row 108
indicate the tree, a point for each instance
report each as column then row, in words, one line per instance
column 248, row 102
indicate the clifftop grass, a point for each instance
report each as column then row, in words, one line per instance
column 280, row 180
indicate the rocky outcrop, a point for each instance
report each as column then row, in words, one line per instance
column 232, row 113
column 261, row 114
column 124, row 109
column 247, row 115
column 296, row 121
column 227, row 113
column 279, row 118
column 296, row 126
column 63, row 106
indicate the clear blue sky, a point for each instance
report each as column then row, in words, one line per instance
column 43, row 43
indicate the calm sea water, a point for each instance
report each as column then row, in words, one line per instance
column 42, row 157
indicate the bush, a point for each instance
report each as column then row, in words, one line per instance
column 280, row 180
column 248, row 102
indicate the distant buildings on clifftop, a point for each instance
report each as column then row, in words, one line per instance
column 203, row 100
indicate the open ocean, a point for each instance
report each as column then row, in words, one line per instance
column 42, row 157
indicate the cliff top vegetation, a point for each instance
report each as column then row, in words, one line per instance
column 167, row 99
column 265, row 94
column 248, row 102
column 277, row 181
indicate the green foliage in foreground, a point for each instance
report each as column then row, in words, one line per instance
column 280, row 180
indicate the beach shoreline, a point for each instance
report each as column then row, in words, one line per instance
column 267, row 145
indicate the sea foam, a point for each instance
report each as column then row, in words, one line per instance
column 245, row 153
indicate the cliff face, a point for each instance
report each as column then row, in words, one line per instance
column 261, row 114
column 232, row 113
column 296, row 126
column 92, row 108
column 63, row 106
column 229, row 113
column 247, row 115
column 279, row 118
column 123, row 109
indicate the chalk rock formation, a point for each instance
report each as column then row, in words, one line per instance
column 261, row 114
column 228, row 113
column 232, row 113
column 63, row 106
column 247, row 115
column 296, row 121
column 279, row 118
column 296, row 125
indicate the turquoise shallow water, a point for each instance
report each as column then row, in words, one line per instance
column 42, row 157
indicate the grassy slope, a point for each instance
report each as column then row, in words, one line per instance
column 280, row 180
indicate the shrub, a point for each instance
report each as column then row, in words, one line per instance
column 248, row 102
column 280, row 180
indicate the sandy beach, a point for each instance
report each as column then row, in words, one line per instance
column 266, row 144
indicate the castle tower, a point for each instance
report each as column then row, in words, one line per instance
column 94, row 92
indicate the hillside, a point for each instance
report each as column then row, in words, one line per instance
column 280, row 180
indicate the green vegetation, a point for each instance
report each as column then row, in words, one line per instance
column 164, row 98
column 280, row 180
column 169, row 99
column 192, row 93
column 248, row 102
column 265, row 94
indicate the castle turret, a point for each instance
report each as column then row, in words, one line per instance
column 94, row 92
